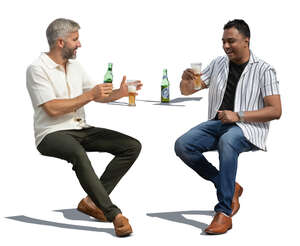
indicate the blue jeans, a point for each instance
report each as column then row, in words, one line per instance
column 229, row 141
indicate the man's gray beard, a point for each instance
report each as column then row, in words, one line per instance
column 68, row 53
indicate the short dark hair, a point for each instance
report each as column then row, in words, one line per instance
column 240, row 25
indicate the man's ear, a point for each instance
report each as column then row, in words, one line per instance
column 247, row 41
column 60, row 42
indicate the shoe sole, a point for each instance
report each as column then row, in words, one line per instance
column 214, row 233
column 124, row 234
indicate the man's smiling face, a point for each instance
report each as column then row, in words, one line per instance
column 235, row 45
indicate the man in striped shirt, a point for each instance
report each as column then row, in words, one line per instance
column 243, row 99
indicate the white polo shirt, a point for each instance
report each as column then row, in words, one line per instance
column 46, row 81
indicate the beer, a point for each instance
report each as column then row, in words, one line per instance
column 197, row 82
column 108, row 77
column 165, row 88
column 131, row 94
column 131, row 84
column 197, row 70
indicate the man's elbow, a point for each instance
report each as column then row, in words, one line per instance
column 277, row 114
column 184, row 93
column 52, row 113
column 49, row 111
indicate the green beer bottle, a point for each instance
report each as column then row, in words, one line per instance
column 108, row 77
column 165, row 88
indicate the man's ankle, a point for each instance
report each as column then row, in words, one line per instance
column 118, row 216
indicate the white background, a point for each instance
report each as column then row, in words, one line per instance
column 141, row 38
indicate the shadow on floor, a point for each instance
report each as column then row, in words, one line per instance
column 74, row 214
column 178, row 216
column 173, row 102
column 70, row 214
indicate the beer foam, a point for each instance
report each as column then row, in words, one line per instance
column 197, row 70
column 131, row 88
column 196, row 67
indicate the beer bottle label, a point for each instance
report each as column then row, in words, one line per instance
column 165, row 93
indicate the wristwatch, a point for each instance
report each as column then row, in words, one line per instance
column 241, row 115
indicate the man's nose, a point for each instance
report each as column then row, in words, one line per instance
column 225, row 45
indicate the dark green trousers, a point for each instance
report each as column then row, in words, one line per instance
column 72, row 145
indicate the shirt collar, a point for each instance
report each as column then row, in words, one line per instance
column 49, row 62
column 252, row 58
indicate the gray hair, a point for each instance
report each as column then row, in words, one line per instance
column 60, row 28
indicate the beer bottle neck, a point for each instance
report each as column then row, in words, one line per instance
column 165, row 74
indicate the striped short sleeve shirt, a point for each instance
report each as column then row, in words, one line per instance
column 257, row 81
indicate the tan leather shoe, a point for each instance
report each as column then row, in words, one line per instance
column 88, row 207
column 122, row 226
column 235, row 205
column 219, row 225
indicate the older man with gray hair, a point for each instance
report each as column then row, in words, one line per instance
column 59, row 88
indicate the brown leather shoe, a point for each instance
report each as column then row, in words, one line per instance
column 219, row 225
column 235, row 205
column 122, row 226
column 88, row 207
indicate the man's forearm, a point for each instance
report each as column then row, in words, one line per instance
column 271, row 110
column 59, row 107
column 115, row 95
column 263, row 115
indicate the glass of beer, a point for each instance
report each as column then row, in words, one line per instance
column 197, row 70
column 131, row 84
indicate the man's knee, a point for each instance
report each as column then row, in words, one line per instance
column 179, row 146
column 135, row 146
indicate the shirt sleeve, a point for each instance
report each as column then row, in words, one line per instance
column 207, row 73
column 39, row 86
column 269, row 83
